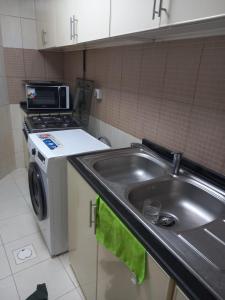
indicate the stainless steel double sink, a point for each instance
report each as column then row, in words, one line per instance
column 135, row 174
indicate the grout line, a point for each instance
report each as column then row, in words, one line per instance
column 68, row 273
column 20, row 238
column 194, row 94
column 59, row 297
column 163, row 88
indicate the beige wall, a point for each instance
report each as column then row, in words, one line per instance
column 23, row 61
column 7, row 161
column 172, row 93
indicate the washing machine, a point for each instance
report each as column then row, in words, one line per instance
column 47, row 177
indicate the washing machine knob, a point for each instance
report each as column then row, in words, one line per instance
column 33, row 151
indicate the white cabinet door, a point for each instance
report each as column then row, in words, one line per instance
column 92, row 19
column 115, row 281
column 82, row 241
column 129, row 16
column 179, row 11
column 46, row 22
column 66, row 22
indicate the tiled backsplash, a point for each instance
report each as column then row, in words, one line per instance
column 172, row 93
column 30, row 64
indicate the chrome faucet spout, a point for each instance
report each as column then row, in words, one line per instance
column 177, row 156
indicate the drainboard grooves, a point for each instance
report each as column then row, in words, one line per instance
column 208, row 242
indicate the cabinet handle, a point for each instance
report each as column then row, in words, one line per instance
column 154, row 10
column 43, row 35
column 71, row 28
column 161, row 8
column 75, row 32
column 158, row 12
column 91, row 219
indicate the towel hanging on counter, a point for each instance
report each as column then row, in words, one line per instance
column 115, row 236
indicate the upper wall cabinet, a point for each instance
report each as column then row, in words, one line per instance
column 179, row 11
column 46, row 20
column 130, row 16
column 93, row 19
column 66, row 22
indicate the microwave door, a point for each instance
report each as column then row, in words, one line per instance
column 42, row 97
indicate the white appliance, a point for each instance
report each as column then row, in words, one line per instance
column 48, row 182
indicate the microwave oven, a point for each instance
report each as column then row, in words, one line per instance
column 47, row 97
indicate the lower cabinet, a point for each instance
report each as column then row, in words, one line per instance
column 115, row 281
column 82, row 241
column 100, row 274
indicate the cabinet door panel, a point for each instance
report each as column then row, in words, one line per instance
column 82, row 241
column 129, row 16
column 93, row 19
column 65, row 10
column 115, row 281
column 46, row 22
column 179, row 11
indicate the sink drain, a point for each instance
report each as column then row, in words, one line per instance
column 166, row 220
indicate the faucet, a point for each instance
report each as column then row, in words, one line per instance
column 177, row 156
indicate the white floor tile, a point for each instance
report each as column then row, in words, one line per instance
column 64, row 258
column 12, row 205
column 21, row 179
column 74, row 295
column 8, row 289
column 4, row 265
column 8, row 188
column 17, row 227
column 40, row 250
column 50, row 272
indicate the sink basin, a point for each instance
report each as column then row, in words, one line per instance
column 189, row 205
column 130, row 168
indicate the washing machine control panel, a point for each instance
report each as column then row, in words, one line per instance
column 49, row 141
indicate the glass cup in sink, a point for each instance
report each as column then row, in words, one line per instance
column 151, row 210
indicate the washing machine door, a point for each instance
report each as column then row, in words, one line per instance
column 37, row 191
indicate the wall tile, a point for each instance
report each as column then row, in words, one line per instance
column 16, row 90
column 128, row 112
column 73, row 65
column 14, row 62
column 2, row 62
column 114, row 73
column 173, row 125
column 183, row 61
column 11, row 32
column 153, row 69
column 169, row 92
column 34, row 64
column 206, row 138
column 211, row 82
column 29, row 34
column 4, row 99
column 131, row 67
column 53, row 65
column 148, row 117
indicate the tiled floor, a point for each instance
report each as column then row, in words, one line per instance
column 17, row 230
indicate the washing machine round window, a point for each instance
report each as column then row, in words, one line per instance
column 37, row 191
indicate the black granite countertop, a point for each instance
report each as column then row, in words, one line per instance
column 185, row 279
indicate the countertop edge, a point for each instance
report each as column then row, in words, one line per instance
column 191, row 285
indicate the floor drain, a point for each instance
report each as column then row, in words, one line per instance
column 24, row 254
column 166, row 220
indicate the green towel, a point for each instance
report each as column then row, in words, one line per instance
column 115, row 236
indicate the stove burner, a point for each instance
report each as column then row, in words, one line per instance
column 50, row 122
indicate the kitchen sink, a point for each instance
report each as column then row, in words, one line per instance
column 130, row 168
column 182, row 200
